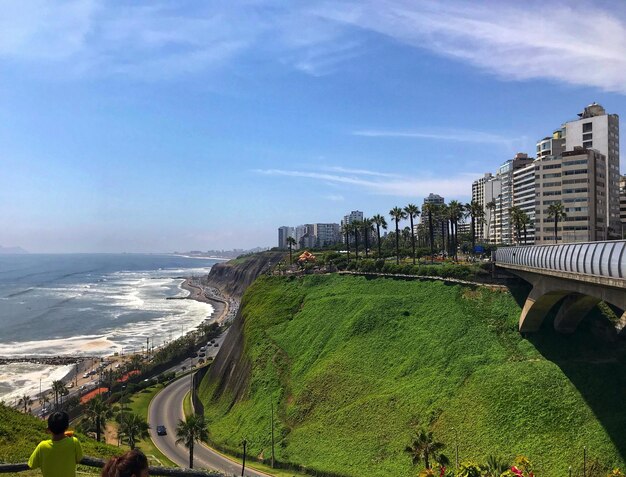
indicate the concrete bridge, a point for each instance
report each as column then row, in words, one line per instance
column 579, row 275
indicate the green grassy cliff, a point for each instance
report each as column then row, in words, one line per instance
column 353, row 365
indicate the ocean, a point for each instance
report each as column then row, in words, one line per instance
column 91, row 305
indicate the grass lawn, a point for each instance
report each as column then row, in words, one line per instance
column 187, row 409
column 354, row 366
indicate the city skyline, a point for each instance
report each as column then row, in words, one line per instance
column 156, row 127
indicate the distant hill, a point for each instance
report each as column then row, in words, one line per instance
column 11, row 250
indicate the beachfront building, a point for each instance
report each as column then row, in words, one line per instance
column 576, row 179
column 524, row 198
column 283, row 233
column 622, row 205
column 478, row 197
column 326, row 234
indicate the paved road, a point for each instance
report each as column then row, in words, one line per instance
column 167, row 409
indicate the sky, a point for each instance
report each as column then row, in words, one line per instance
column 129, row 126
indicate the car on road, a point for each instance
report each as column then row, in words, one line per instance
column 201, row 355
column 216, row 345
column 161, row 431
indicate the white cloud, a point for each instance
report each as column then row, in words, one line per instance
column 387, row 184
column 572, row 42
column 448, row 135
column 335, row 197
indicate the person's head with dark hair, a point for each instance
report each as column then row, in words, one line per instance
column 132, row 464
column 58, row 422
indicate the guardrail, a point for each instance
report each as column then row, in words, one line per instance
column 603, row 259
column 99, row 463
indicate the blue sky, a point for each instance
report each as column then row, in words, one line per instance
column 161, row 126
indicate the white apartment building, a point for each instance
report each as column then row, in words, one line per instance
column 326, row 234
column 622, row 205
column 524, row 198
column 283, row 233
column 595, row 129
column 576, row 179
column 478, row 196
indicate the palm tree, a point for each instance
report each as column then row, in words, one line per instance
column 133, row 427
column 477, row 216
column 430, row 209
column 424, row 447
column 491, row 206
column 291, row 242
column 25, row 401
column 189, row 431
column 355, row 227
column 525, row 221
column 556, row 212
column 345, row 230
column 43, row 400
column 380, row 221
column 455, row 213
column 444, row 219
column 412, row 211
column 366, row 226
column 515, row 214
column 59, row 389
column 397, row 214
column 98, row 412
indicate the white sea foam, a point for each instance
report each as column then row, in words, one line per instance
column 114, row 296
column 19, row 379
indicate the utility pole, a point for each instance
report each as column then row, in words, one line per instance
column 456, row 445
column 243, row 466
column 147, row 345
column 272, row 404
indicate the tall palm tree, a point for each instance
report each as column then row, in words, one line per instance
column 356, row 229
column 189, row 431
column 380, row 221
column 525, row 221
column 43, row 400
column 515, row 219
column 556, row 212
column 397, row 214
column 133, row 427
column 98, row 412
column 25, row 401
column 366, row 226
column 424, row 448
column 443, row 219
column 430, row 210
column 491, row 206
column 291, row 242
column 412, row 211
column 477, row 217
column 455, row 213
column 59, row 389
column 345, row 230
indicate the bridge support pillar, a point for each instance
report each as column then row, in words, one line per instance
column 574, row 308
column 536, row 307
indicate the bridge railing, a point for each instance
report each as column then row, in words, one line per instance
column 604, row 259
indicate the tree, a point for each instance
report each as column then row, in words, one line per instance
column 43, row 400
column 477, row 217
column 412, row 211
column 424, row 448
column 366, row 226
column 491, row 206
column 397, row 214
column 291, row 242
column 133, row 427
column 25, row 401
column 429, row 209
column 345, row 230
column 515, row 214
column 380, row 221
column 355, row 227
column 98, row 411
column 189, row 431
column 455, row 213
column 556, row 212
column 59, row 389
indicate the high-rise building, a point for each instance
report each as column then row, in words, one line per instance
column 622, row 204
column 478, row 196
column 354, row 216
column 307, row 238
column 503, row 227
column 524, row 198
column 551, row 145
column 423, row 228
column 283, row 233
column 576, row 179
column 595, row 129
column 326, row 234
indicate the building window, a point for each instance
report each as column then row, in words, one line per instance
column 588, row 144
column 587, row 137
column 587, row 127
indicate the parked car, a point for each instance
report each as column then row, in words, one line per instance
column 161, row 431
column 201, row 355
column 216, row 345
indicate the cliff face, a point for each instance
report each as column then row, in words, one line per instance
column 233, row 277
column 230, row 371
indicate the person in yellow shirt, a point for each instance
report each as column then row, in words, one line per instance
column 57, row 457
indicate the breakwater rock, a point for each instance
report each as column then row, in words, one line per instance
column 48, row 360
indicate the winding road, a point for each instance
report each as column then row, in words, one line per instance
column 167, row 409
